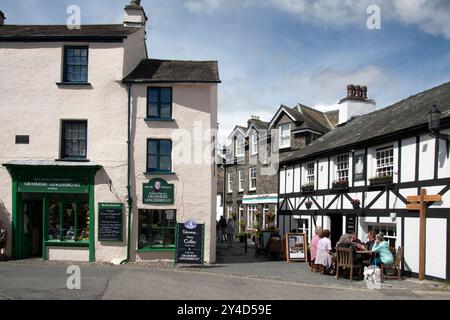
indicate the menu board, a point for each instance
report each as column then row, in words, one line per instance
column 350, row 223
column 110, row 222
column 190, row 243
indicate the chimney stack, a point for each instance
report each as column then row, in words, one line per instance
column 2, row 18
column 135, row 15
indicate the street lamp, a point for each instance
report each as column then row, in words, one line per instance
column 434, row 123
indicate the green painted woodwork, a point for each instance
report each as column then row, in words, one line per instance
column 158, row 191
column 52, row 184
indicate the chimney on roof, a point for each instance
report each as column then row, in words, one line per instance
column 135, row 15
column 355, row 104
column 2, row 18
column 256, row 118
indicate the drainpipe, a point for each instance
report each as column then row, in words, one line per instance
column 129, row 200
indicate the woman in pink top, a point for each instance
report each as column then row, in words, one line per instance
column 315, row 243
column 324, row 257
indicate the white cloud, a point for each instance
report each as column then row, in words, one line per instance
column 431, row 16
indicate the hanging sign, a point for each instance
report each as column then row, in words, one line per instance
column 189, row 248
column 158, row 191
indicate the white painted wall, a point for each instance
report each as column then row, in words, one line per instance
column 352, row 108
column 194, row 110
column 408, row 162
column 323, row 174
column 443, row 161
column 426, row 158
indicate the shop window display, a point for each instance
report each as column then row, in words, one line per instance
column 157, row 229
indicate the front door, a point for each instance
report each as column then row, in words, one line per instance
column 336, row 229
column 32, row 229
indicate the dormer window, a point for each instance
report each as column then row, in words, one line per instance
column 254, row 144
column 285, row 136
column 240, row 146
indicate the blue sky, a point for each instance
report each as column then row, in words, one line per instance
column 274, row 52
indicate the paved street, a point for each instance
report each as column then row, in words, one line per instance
column 237, row 276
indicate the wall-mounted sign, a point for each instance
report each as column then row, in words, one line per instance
column 350, row 223
column 158, row 191
column 189, row 243
column 359, row 167
column 53, row 184
column 110, row 222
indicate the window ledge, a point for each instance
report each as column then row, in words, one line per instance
column 159, row 173
column 79, row 84
column 72, row 160
column 155, row 250
column 158, row 120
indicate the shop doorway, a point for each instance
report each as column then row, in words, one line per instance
column 336, row 225
column 32, row 229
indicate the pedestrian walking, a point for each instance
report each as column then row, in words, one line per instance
column 230, row 232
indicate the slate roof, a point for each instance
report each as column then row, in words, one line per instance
column 259, row 124
column 315, row 119
column 406, row 114
column 160, row 71
column 16, row 33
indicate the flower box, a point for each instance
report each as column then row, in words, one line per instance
column 340, row 185
column 381, row 181
column 308, row 188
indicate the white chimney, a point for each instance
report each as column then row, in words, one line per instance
column 355, row 104
column 134, row 15
column 2, row 18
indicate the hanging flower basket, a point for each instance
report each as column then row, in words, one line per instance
column 308, row 205
column 356, row 203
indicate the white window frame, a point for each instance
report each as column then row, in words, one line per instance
column 251, row 215
column 343, row 167
column 285, row 135
column 254, row 144
column 385, row 161
column 389, row 230
column 229, row 211
column 230, row 182
column 241, row 180
column 253, row 173
column 311, row 173
column 240, row 146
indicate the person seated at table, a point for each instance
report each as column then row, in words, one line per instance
column 355, row 238
column 324, row 257
column 370, row 240
column 381, row 248
column 315, row 243
column 346, row 242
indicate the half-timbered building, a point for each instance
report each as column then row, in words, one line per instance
column 357, row 178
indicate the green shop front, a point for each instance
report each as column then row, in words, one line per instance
column 53, row 210
column 156, row 239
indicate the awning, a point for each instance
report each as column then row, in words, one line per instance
column 260, row 199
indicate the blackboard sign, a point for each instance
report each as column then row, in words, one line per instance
column 350, row 223
column 110, row 222
column 190, row 243
column 158, row 191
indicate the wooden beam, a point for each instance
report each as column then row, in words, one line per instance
column 422, row 234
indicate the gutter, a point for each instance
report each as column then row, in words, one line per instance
column 129, row 200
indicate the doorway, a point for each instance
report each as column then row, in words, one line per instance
column 32, row 228
column 336, row 225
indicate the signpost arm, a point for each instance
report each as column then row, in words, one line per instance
column 422, row 233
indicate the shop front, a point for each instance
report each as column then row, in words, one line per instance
column 53, row 210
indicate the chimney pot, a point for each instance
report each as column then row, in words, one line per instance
column 136, row 3
column 350, row 91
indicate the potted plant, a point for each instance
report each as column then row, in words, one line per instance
column 308, row 204
column 381, row 180
column 242, row 236
column 356, row 203
column 340, row 184
column 270, row 215
column 309, row 187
